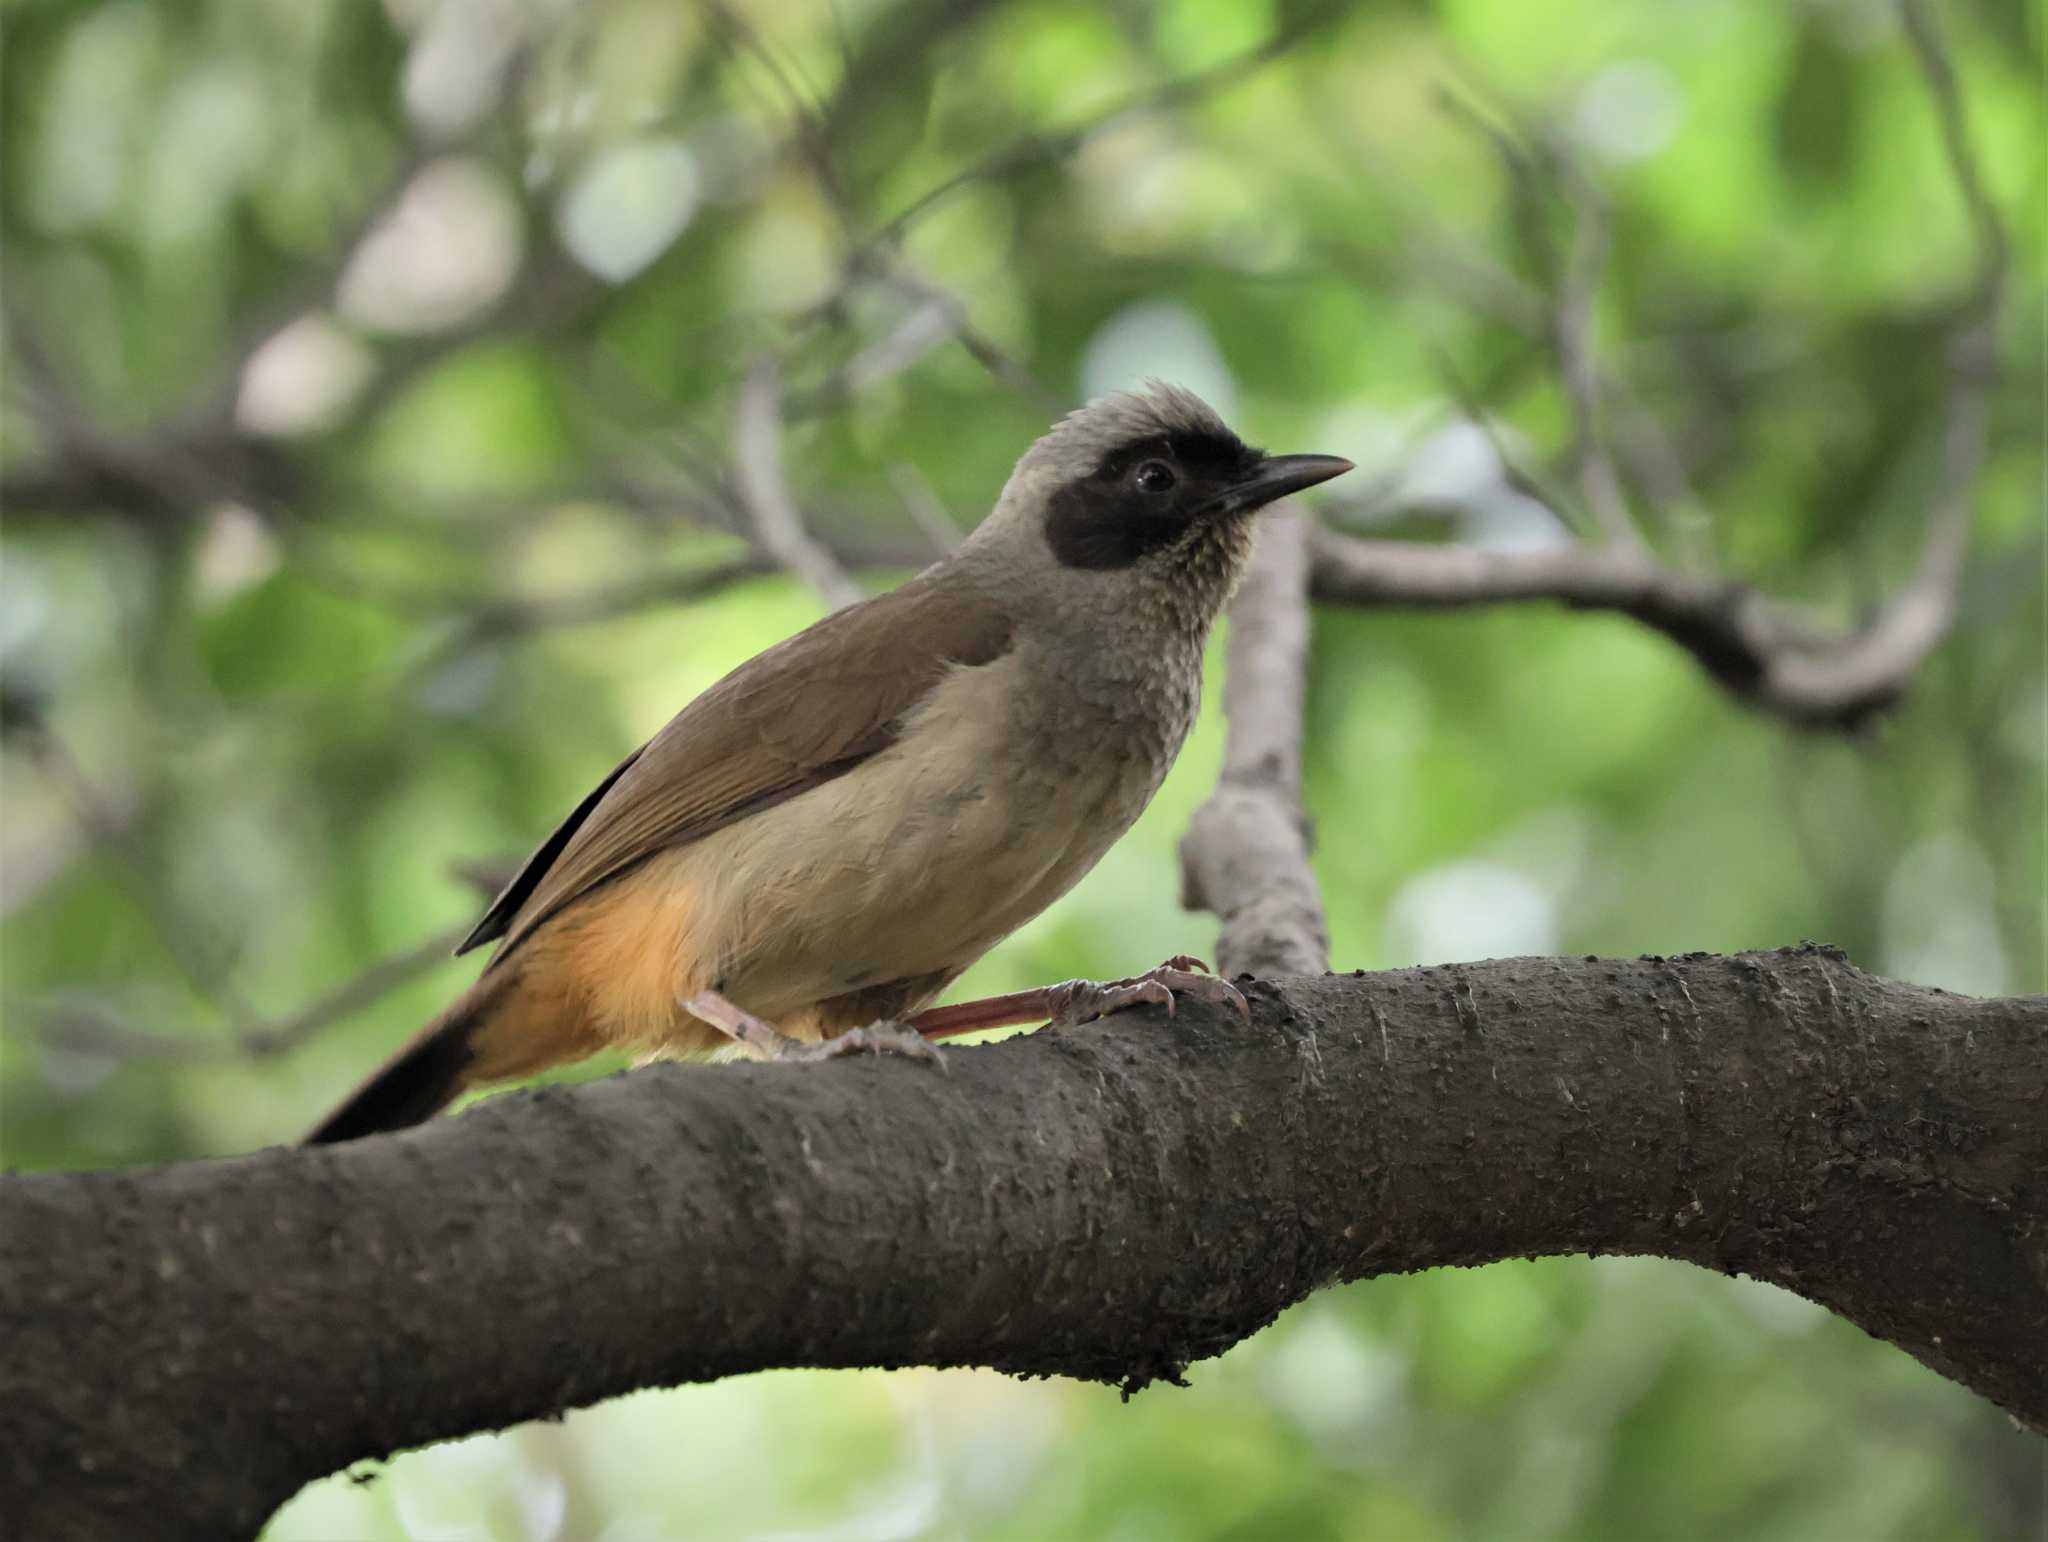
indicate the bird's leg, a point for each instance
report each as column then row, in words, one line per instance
column 771, row 1043
column 1081, row 1001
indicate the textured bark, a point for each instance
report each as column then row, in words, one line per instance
column 1245, row 855
column 188, row 1345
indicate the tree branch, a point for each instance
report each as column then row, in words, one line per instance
column 1245, row 855
column 1573, row 325
column 1035, row 149
column 1764, row 654
column 779, row 527
column 190, row 1344
column 1759, row 649
column 70, row 1026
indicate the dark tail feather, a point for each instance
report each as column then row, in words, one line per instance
column 412, row 1086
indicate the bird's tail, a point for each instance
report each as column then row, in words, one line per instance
column 427, row 1073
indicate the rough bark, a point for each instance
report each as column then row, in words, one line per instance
column 1245, row 855
column 187, row 1345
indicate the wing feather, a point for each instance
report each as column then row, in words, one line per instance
column 514, row 894
column 807, row 710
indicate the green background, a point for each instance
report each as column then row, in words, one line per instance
column 336, row 552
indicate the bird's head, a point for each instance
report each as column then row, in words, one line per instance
column 1150, row 486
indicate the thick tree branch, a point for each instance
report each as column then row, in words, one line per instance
column 1245, row 855
column 188, row 1345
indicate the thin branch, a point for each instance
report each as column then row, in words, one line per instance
column 926, row 326
column 82, row 1027
column 76, row 1025
column 1438, row 258
column 758, row 476
column 1004, row 369
column 925, row 510
column 367, row 988
column 1762, row 651
column 1246, row 853
column 1532, row 482
column 813, row 142
column 85, row 1027
column 1572, row 324
column 1568, row 313
column 1923, row 34
column 197, row 951
column 1919, row 616
column 1887, row 652
column 1029, row 150
column 498, row 621
column 1768, row 656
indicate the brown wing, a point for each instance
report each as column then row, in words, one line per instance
column 535, row 868
column 808, row 710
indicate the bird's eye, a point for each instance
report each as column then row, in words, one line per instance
column 1155, row 476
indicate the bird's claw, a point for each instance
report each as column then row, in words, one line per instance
column 1083, row 1001
column 1203, row 986
column 879, row 1038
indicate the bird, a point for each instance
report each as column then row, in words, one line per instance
column 818, row 845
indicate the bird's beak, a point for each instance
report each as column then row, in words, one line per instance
column 1276, row 477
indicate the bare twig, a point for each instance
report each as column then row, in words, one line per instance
column 373, row 984
column 71, row 1025
column 1761, row 650
column 1004, row 369
column 80, row 1027
column 927, row 325
column 1923, row 34
column 196, row 950
column 1572, row 322
column 90, row 1028
column 1568, row 313
column 1532, row 482
column 496, row 621
column 1886, row 653
column 1246, row 853
column 812, row 140
column 925, row 510
column 1434, row 255
column 1030, row 150
column 757, row 436
column 1908, row 628
column 938, row 315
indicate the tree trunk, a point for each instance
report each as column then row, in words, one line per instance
column 187, row 1346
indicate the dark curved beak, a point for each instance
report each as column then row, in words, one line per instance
column 1278, row 476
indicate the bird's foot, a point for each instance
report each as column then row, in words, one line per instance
column 771, row 1043
column 886, row 1037
column 1083, row 1001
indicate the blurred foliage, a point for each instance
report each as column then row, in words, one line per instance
column 370, row 374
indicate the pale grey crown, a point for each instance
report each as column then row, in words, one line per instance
column 1080, row 439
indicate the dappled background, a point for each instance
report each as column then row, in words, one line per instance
column 410, row 405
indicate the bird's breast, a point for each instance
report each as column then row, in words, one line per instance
column 1003, row 788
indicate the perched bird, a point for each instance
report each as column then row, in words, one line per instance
column 817, row 846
